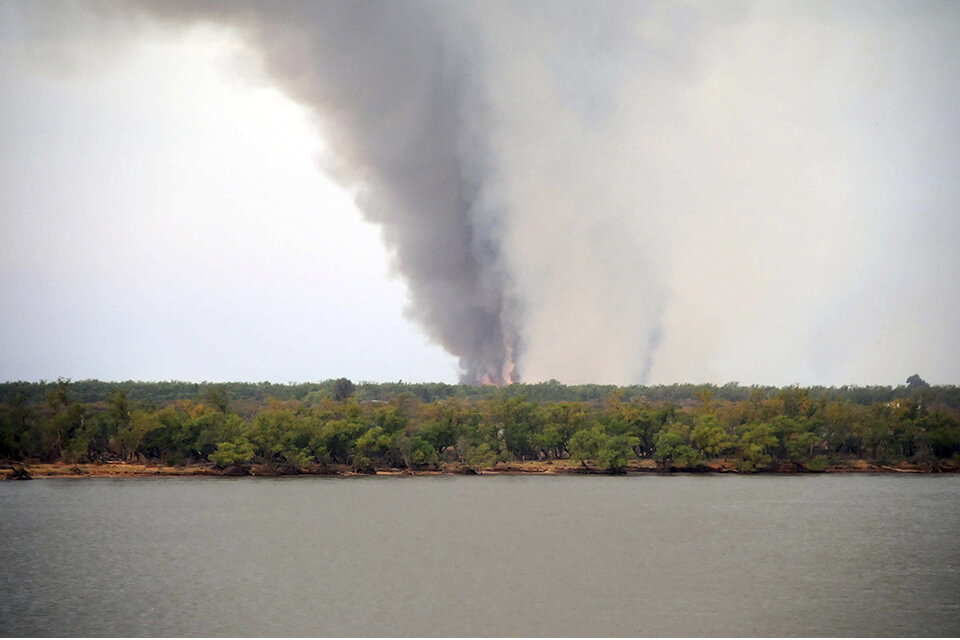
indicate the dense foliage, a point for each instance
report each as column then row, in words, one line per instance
column 399, row 425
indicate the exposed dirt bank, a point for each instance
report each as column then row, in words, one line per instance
column 528, row 467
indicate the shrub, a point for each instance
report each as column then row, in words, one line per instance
column 614, row 453
column 229, row 453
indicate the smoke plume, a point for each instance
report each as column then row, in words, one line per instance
column 620, row 191
column 394, row 88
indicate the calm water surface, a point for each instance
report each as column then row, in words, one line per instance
column 441, row 556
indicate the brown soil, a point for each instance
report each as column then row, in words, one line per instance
column 527, row 467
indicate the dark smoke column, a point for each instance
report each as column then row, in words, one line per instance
column 393, row 88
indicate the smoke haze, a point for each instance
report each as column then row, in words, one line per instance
column 642, row 192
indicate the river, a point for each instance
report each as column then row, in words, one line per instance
column 816, row 555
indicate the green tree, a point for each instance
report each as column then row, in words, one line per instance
column 336, row 440
column 440, row 433
column 549, row 441
column 237, row 452
column 756, row 441
column 709, row 437
column 672, row 448
column 418, row 453
column 585, row 444
column 343, row 388
column 480, row 456
column 644, row 423
column 568, row 418
column 17, row 425
column 126, row 441
column 218, row 398
column 374, row 444
column 518, row 421
column 615, row 451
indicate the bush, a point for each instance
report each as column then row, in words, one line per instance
column 671, row 449
column 362, row 464
column 481, row 456
column 229, row 453
column 614, row 453
column 585, row 444
column 422, row 453
column 752, row 458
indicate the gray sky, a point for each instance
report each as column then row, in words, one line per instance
column 674, row 192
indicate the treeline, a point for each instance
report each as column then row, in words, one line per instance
column 254, row 394
column 369, row 426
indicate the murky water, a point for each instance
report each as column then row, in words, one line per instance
column 480, row 556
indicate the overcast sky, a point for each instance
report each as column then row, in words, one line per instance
column 765, row 193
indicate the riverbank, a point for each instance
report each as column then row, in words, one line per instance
column 527, row 467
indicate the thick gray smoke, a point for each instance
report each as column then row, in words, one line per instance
column 393, row 87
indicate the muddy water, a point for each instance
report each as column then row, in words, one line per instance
column 440, row 556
